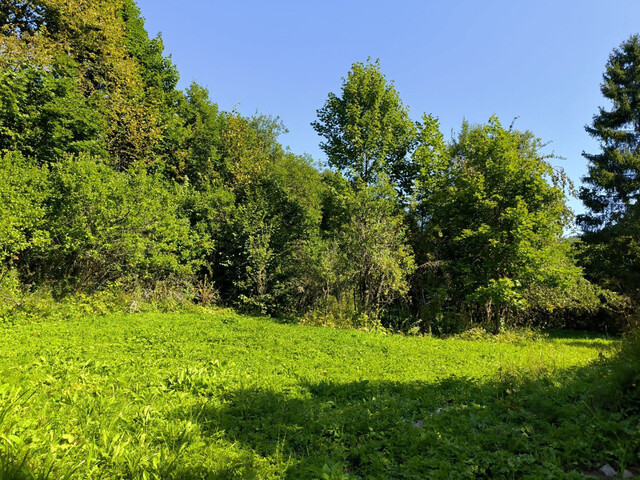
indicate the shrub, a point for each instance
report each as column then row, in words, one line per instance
column 107, row 226
column 22, row 192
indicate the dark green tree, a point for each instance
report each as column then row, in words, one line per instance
column 611, row 225
column 44, row 114
column 613, row 182
column 193, row 140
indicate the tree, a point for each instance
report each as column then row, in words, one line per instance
column 99, row 52
column 368, row 138
column 613, row 182
column 494, row 219
column 367, row 130
column 363, row 259
column 194, row 144
column 378, row 261
column 44, row 114
column 611, row 225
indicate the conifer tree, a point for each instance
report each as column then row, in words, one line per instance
column 612, row 186
column 613, row 181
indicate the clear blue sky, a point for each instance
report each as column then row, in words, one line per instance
column 540, row 60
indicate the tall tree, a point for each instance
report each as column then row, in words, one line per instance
column 493, row 221
column 611, row 225
column 367, row 130
column 111, row 65
column 613, row 182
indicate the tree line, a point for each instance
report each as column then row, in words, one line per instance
column 113, row 178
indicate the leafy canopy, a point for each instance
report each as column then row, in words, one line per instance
column 367, row 130
column 494, row 219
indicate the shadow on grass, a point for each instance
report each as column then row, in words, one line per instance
column 593, row 344
column 579, row 335
column 515, row 427
column 582, row 339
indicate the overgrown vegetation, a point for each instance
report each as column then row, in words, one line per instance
column 115, row 179
column 121, row 194
column 221, row 395
column 612, row 185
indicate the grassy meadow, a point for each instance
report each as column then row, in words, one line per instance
column 221, row 395
column 135, row 214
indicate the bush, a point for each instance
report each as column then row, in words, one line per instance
column 107, row 226
column 22, row 193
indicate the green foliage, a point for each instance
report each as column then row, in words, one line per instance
column 494, row 217
column 20, row 17
column 282, row 214
column 377, row 259
column 248, row 147
column 106, row 226
column 106, row 83
column 622, row 377
column 23, row 189
column 256, row 274
column 44, row 114
column 367, row 130
column 318, row 276
column 114, row 178
column 362, row 262
column 20, row 305
column 159, row 74
column 195, row 153
column 177, row 396
column 612, row 186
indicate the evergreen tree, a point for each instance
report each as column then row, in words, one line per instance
column 612, row 186
column 613, row 182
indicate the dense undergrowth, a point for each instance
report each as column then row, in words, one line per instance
column 115, row 182
column 220, row 395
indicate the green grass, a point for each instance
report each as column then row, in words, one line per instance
column 221, row 395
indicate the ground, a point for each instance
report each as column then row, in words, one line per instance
column 221, row 395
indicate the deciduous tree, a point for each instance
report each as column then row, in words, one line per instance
column 494, row 218
column 367, row 130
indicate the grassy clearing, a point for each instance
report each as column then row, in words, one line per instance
column 192, row 396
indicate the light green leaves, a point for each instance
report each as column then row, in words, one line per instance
column 367, row 130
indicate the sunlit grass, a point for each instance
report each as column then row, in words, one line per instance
column 229, row 396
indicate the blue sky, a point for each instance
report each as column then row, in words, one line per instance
column 541, row 61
